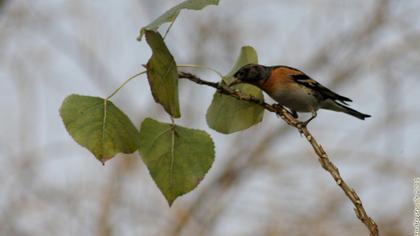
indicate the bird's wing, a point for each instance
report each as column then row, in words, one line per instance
column 306, row 81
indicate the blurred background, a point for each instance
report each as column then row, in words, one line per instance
column 265, row 180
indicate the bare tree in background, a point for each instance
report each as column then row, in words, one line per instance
column 269, row 183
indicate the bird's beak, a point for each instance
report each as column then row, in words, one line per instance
column 235, row 82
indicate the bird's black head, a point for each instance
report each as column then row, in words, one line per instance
column 252, row 74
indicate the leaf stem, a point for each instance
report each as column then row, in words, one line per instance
column 169, row 27
column 201, row 67
column 123, row 84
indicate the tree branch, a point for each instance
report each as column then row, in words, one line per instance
column 322, row 155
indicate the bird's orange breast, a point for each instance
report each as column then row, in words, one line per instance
column 278, row 80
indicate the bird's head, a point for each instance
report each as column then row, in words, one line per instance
column 251, row 74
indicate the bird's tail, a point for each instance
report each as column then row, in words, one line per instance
column 353, row 112
column 335, row 106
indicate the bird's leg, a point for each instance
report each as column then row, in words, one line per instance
column 294, row 114
column 305, row 123
column 277, row 106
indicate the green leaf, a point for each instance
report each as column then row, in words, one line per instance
column 177, row 158
column 172, row 14
column 227, row 114
column 162, row 74
column 99, row 126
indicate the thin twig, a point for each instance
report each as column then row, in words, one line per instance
column 125, row 82
column 323, row 156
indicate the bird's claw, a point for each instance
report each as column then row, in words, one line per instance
column 303, row 124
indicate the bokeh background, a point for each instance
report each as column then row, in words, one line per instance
column 265, row 180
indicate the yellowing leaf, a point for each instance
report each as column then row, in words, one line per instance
column 178, row 158
column 227, row 114
column 172, row 14
column 162, row 74
column 100, row 127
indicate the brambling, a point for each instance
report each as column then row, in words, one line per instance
column 294, row 89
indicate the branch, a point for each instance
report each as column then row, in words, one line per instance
column 290, row 120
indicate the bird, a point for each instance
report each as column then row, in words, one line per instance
column 295, row 90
